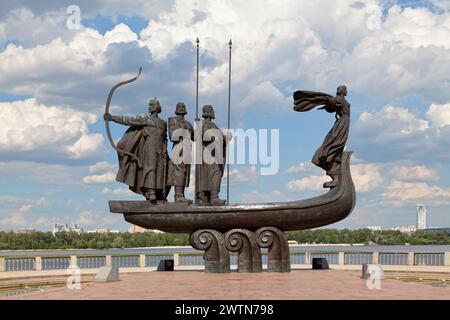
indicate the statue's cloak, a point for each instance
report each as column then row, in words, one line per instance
column 330, row 151
column 308, row 100
column 148, row 144
column 129, row 172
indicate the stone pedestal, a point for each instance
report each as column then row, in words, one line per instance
column 107, row 274
column 247, row 244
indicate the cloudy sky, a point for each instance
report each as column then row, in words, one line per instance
column 57, row 167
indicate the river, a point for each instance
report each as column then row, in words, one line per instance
column 293, row 248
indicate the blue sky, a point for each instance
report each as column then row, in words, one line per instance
column 57, row 167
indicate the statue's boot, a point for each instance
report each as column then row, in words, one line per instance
column 201, row 199
column 150, row 195
column 179, row 195
column 215, row 200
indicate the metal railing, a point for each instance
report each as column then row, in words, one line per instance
column 20, row 264
column 153, row 260
column 91, row 262
column 357, row 258
column 332, row 258
column 393, row 258
column 125, row 261
column 429, row 259
column 55, row 262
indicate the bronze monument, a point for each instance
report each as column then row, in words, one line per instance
column 216, row 227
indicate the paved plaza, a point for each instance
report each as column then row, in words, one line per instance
column 299, row 284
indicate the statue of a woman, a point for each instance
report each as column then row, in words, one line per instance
column 328, row 156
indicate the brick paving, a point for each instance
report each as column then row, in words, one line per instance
column 299, row 284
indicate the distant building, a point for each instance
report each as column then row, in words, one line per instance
column 374, row 228
column 103, row 230
column 25, row 231
column 136, row 229
column 66, row 228
column 405, row 229
column 421, row 217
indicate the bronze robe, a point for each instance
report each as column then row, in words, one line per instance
column 179, row 174
column 330, row 152
column 208, row 177
column 147, row 139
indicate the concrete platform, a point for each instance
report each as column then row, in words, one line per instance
column 299, row 284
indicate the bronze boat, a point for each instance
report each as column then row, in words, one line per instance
column 315, row 212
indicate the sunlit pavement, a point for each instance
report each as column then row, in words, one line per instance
column 299, row 284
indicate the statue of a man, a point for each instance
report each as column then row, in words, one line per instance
column 181, row 133
column 209, row 173
column 328, row 155
column 147, row 139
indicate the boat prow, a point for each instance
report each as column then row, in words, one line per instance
column 315, row 212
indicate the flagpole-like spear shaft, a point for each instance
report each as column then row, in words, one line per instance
column 229, row 122
column 198, row 137
column 196, row 89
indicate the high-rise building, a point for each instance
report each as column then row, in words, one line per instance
column 421, row 217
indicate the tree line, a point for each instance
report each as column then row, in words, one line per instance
column 72, row 240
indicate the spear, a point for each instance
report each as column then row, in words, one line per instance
column 196, row 89
column 198, row 137
column 229, row 121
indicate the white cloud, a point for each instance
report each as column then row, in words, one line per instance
column 117, row 191
column 101, row 167
column 439, row 114
column 304, row 167
column 86, row 218
column 22, row 25
column 366, row 177
column 17, row 218
column 372, row 53
column 395, row 133
column 241, row 175
column 308, row 183
column 100, row 178
column 53, row 174
column 414, row 173
column 400, row 193
column 94, row 219
column 30, row 126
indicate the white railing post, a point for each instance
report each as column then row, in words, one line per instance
column 446, row 259
column 2, row 264
column 108, row 261
column 410, row 261
column 38, row 263
column 73, row 261
column 176, row 259
column 341, row 258
column 307, row 257
column 142, row 260
column 375, row 258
